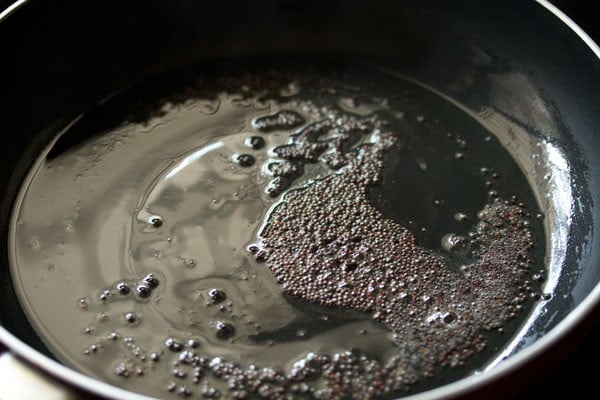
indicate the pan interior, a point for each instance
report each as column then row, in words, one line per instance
column 130, row 238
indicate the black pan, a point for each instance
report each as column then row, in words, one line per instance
column 61, row 58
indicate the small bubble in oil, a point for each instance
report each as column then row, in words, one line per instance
column 35, row 243
column 301, row 332
column 104, row 295
column 452, row 242
column 217, row 295
column 537, row 277
column 89, row 330
column 143, row 290
column 155, row 221
column 68, row 225
column 122, row 369
column 546, row 296
column 151, row 280
column 225, row 330
column 459, row 216
column 93, row 348
column 131, row 317
column 255, row 142
column 173, row 344
column 245, row 160
column 277, row 185
column 122, row 288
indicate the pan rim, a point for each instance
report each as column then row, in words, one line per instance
column 570, row 324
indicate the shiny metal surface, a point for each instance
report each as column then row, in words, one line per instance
column 568, row 330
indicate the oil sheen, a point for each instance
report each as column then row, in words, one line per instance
column 277, row 234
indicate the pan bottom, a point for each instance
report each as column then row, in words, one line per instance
column 155, row 225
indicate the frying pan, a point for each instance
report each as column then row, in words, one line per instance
column 525, row 60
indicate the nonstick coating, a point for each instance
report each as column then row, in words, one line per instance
column 60, row 58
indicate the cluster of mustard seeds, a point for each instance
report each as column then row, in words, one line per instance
column 327, row 244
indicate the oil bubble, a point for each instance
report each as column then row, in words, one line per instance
column 255, row 142
column 143, row 290
column 151, row 280
column 131, row 317
column 225, row 330
column 156, row 221
column 216, row 295
column 277, row 186
column 245, row 160
column 173, row 344
column 122, row 288
column 83, row 303
column 459, row 216
column 452, row 242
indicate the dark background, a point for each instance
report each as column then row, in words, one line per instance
column 578, row 373
column 583, row 12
